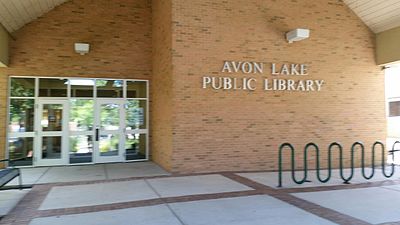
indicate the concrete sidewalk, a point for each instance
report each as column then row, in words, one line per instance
column 80, row 173
column 74, row 173
column 220, row 199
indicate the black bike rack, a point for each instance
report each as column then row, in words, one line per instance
column 332, row 146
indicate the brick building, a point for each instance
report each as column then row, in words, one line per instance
column 194, row 86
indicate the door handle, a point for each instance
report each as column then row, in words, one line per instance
column 97, row 134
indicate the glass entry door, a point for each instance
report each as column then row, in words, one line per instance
column 109, row 131
column 51, row 129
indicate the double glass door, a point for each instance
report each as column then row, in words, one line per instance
column 104, row 140
column 61, row 120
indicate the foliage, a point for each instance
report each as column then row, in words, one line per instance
column 81, row 112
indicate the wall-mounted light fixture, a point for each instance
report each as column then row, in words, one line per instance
column 297, row 35
column 82, row 48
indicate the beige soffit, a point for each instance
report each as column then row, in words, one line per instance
column 379, row 15
column 16, row 13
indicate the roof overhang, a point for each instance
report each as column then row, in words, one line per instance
column 4, row 48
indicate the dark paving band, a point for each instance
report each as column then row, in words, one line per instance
column 27, row 209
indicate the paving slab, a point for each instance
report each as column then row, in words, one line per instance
column 195, row 185
column 97, row 194
column 358, row 177
column 254, row 210
column 30, row 175
column 150, row 215
column 73, row 173
column 137, row 169
column 373, row 205
column 271, row 179
column 9, row 199
column 392, row 187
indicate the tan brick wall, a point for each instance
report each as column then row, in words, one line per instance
column 195, row 129
column 162, row 101
column 119, row 32
column 242, row 130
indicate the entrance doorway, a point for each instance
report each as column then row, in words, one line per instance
column 51, row 132
column 61, row 121
column 109, row 130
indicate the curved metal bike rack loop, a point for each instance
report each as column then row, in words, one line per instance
column 346, row 180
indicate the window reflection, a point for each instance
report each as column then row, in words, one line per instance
column 81, row 87
column 81, row 115
column 80, row 149
column 22, row 87
column 394, row 109
column 136, row 89
column 109, row 88
column 109, row 116
column 109, row 145
column 136, row 114
column 21, row 115
column 49, row 87
column 20, row 151
column 52, row 117
column 51, row 147
column 135, row 145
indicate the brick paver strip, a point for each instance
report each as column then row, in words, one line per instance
column 27, row 209
column 141, row 203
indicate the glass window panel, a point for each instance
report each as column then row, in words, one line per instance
column 135, row 145
column 109, row 88
column 51, row 147
column 81, row 87
column 21, row 115
column 80, row 149
column 22, row 87
column 109, row 116
column 394, row 109
column 52, row 117
column 49, row 87
column 136, row 89
column 20, row 150
column 136, row 114
column 81, row 115
column 108, row 145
